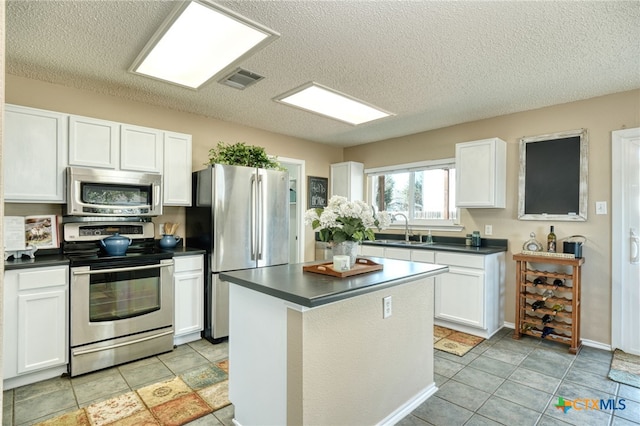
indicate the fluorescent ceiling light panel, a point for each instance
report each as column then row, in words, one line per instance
column 330, row 103
column 199, row 41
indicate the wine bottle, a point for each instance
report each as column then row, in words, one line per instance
column 546, row 331
column 527, row 327
column 551, row 241
column 539, row 280
column 547, row 294
column 558, row 282
column 557, row 308
column 547, row 319
column 537, row 304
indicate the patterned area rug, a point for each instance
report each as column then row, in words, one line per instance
column 171, row 403
column 625, row 368
column 454, row 342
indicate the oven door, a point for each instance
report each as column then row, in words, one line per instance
column 109, row 302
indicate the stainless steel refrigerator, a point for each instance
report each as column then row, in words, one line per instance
column 240, row 216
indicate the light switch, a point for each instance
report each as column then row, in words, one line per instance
column 601, row 207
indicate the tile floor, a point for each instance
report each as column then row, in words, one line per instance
column 500, row 382
column 517, row 382
column 30, row 404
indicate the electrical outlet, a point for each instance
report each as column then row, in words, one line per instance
column 161, row 229
column 488, row 230
column 386, row 307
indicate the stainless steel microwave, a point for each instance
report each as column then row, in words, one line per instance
column 97, row 192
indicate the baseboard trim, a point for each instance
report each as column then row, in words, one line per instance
column 405, row 409
column 585, row 342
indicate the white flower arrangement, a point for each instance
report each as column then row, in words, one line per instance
column 344, row 220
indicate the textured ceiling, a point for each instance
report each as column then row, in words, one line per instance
column 432, row 63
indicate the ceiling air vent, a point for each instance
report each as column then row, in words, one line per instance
column 240, row 79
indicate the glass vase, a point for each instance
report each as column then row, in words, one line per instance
column 348, row 248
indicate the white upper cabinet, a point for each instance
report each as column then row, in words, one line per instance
column 35, row 155
column 141, row 149
column 481, row 170
column 177, row 169
column 347, row 180
column 94, row 143
column 38, row 143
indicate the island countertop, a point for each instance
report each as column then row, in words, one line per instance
column 309, row 289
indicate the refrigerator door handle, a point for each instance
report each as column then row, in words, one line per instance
column 261, row 223
column 253, row 217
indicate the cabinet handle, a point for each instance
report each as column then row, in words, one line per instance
column 635, row 247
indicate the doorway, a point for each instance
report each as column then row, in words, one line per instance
column 625, row 251
column 297, row 201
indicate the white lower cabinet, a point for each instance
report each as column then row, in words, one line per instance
column 468, row 298
column 459, row 297
column 188, row 283
column 36, row 339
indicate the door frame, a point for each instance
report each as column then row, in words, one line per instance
column 619, row 237
column 301, row 201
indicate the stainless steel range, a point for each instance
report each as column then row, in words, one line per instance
column 121, row 306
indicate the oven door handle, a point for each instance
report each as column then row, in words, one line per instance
column 119, row 345
column 130, row 268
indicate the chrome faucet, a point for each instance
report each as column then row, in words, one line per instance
column 406, row 225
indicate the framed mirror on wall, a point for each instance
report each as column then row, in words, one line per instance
column 553, row 177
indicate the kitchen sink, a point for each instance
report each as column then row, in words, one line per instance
column 399, row 242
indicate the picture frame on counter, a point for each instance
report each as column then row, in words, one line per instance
column 318, row 191
column 553, row 176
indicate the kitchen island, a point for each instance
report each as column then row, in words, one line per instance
column 307, row 348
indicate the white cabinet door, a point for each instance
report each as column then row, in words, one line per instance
column 347, row 180
column 42, row 336
column 35, row 320
column 459, row 296
column 141, row 149
column 177, row 169
column 481, row 169
column 35, row 155
column 94, row 142
column 189, row 298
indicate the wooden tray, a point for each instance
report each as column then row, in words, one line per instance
column 362, row 266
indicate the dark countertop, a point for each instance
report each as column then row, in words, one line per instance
column 185, row 251
column 291, row 283
column 38, row 262
column 56, row 259
column 453, row 244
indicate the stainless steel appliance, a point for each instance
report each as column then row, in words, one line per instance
column 240, row 215
column 121, row 306
column 113, row 193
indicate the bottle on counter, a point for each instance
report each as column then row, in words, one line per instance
column 467, row 240
column 475, row 239
column 551, row 241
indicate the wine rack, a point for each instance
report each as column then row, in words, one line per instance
column 564, row 321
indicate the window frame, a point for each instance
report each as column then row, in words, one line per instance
column 433, row 224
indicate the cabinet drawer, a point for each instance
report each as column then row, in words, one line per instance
column 456, row 259
column 425, row 256
column 187, row 263
column 42, row 279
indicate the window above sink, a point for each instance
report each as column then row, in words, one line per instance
column 424, row 192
